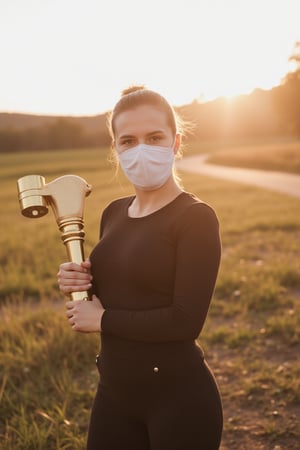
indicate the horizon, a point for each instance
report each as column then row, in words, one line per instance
column 229, row 99
column 72, row 59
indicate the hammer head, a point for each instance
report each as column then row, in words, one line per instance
column 32, row 203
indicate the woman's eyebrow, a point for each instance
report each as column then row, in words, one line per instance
column 125, row 136
column 155, row 132
column 130, row 136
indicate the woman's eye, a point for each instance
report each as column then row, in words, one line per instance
column 155, row 139
column 126, row 142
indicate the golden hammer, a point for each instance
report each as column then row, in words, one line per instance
column 66, row 196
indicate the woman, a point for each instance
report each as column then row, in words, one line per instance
column 152, row 276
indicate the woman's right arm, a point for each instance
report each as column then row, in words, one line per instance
column 74, row 277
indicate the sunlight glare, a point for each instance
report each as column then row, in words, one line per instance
column 71, row 57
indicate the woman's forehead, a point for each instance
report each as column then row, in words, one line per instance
column 141, row 120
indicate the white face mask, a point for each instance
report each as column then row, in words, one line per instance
column 147, row 166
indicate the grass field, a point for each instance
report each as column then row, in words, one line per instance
column 281, row 156
column 251, row 338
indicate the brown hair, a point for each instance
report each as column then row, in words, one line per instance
column 139, row 95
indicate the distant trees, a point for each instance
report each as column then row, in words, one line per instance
column 60, row 133
column 287, row 96
column 262, row 113
column 10, row 139
column 245, row 116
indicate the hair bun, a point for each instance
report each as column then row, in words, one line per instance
column 134, row 88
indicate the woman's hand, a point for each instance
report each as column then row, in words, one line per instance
column 73, row 277
column 85, row 316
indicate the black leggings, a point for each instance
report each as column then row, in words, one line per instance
column 157, row 411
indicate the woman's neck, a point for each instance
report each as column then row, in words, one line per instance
column 147, row 202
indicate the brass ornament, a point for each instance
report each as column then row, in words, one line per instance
column 66, row 197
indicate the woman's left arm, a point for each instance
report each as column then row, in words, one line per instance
column 197, row 263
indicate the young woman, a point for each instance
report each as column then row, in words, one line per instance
column 152, row 276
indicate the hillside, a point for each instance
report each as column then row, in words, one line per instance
column 259, row 114
column 21, row 121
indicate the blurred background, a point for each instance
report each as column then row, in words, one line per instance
column 231, row 67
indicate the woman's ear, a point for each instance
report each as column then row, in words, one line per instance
column 177, row 143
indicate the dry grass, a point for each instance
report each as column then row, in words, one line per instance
column 251, row 338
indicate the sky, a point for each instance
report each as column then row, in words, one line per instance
column 74, row 57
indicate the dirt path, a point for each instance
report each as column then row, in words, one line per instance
column 276, row 181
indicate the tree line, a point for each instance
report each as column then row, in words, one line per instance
column 60, row 133
column 274, row 112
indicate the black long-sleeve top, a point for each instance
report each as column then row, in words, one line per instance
column 155, row 275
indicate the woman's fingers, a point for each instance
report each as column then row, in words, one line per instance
column 85, row 316
column 69, row 288
column 73, row 277
column 86, row 264
column 75, row 268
